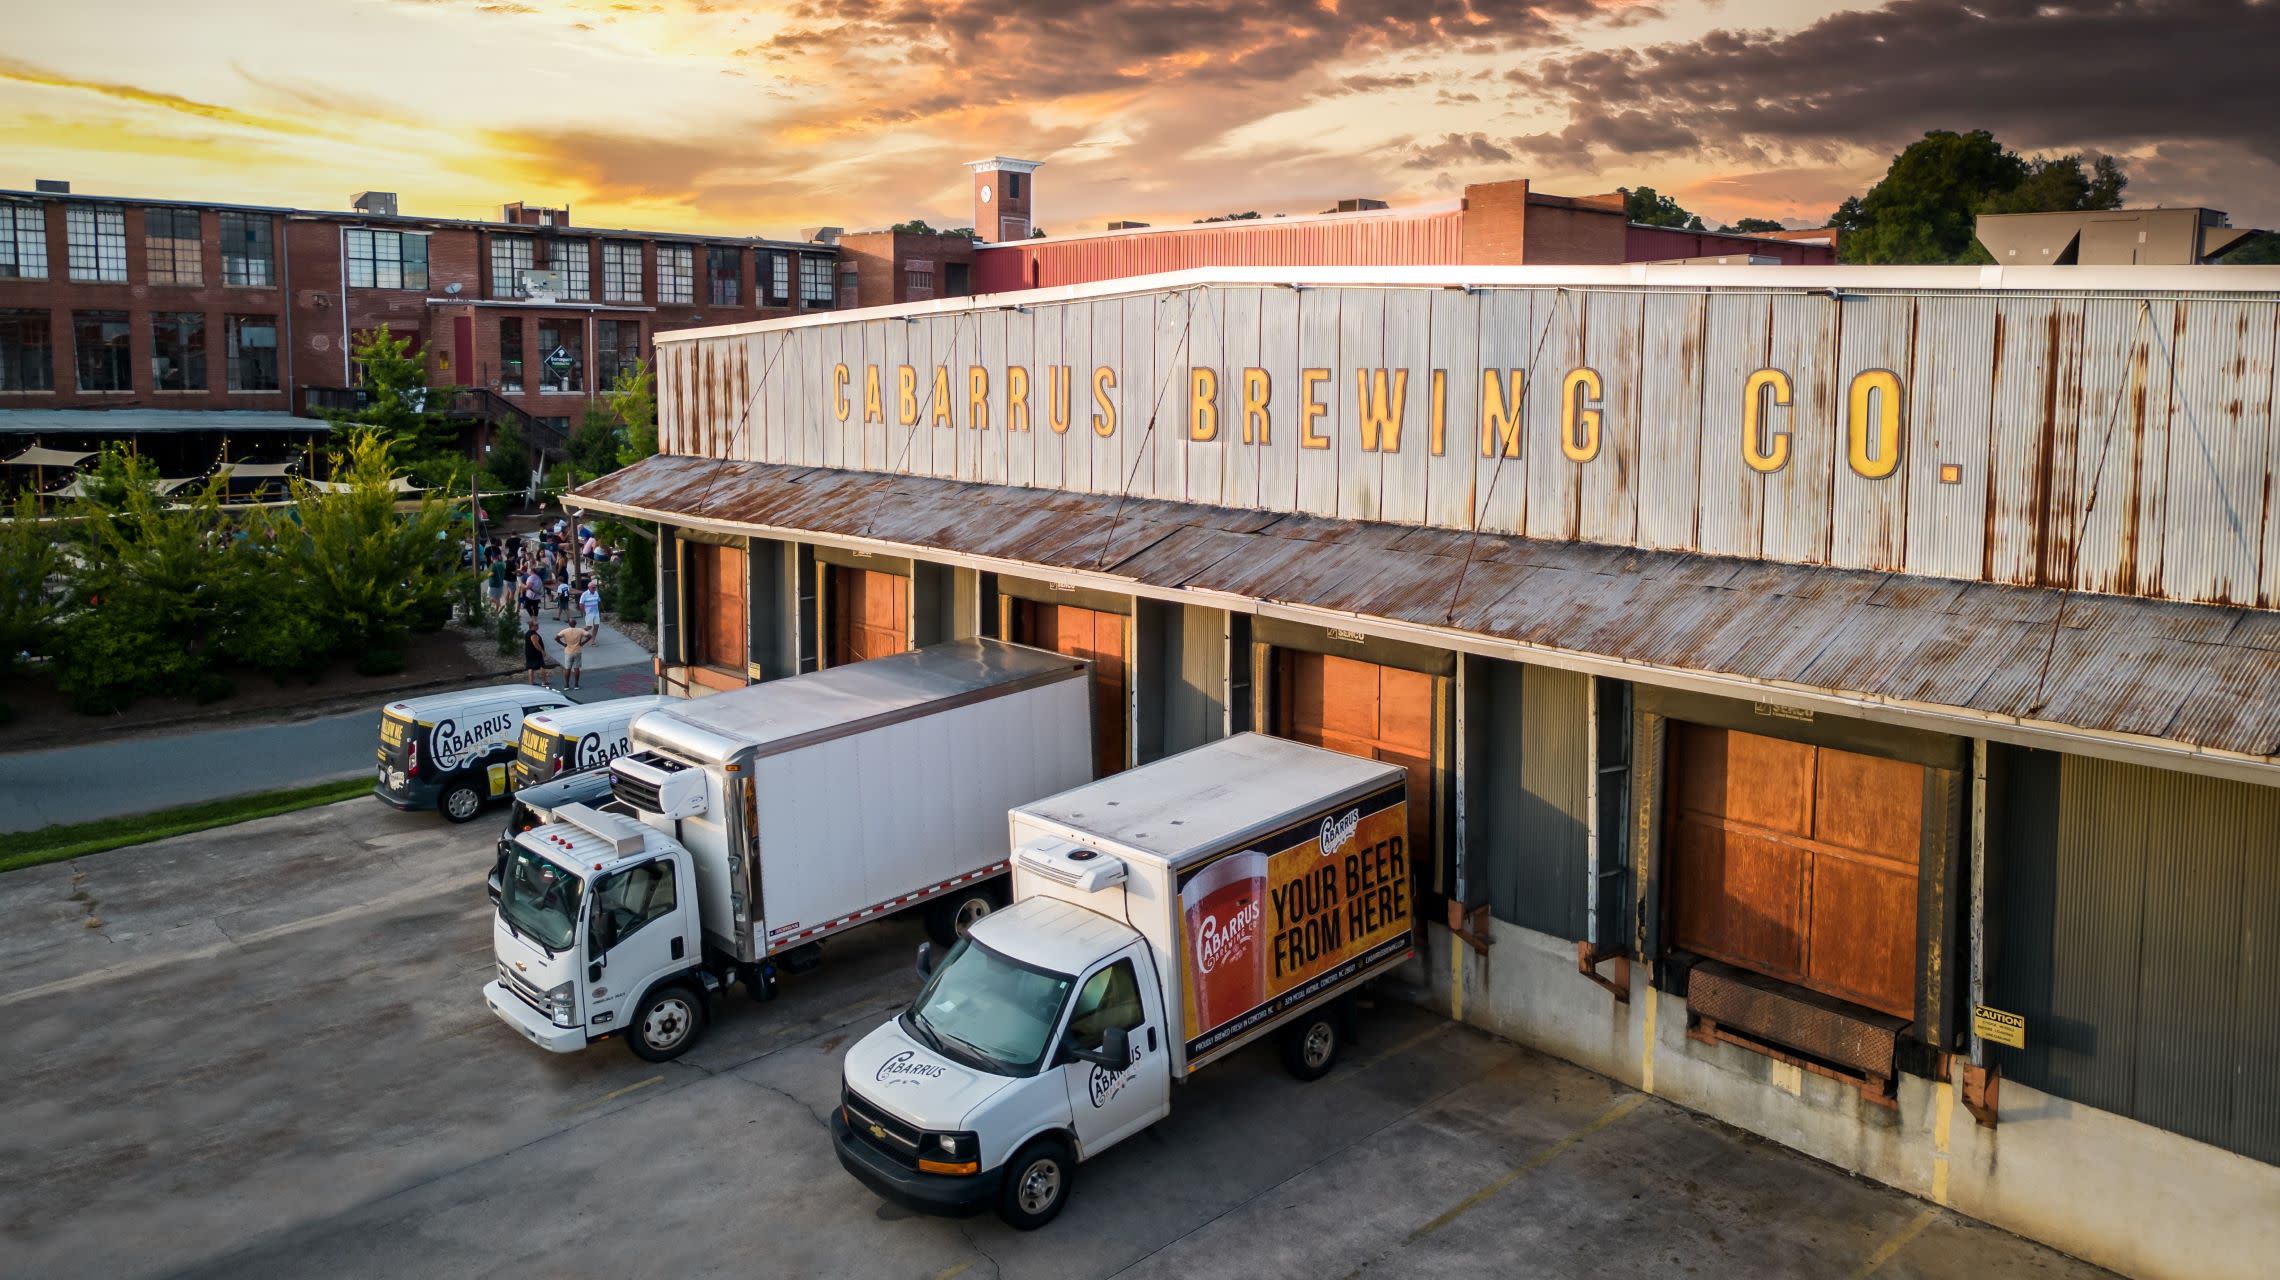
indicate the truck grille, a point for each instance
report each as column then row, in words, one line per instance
column 884, row 1133
column 522, row 989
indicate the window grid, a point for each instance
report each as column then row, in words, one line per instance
column 95, row 236
column 574, row 270
column 676, row 273
column 724, row 269
column 178, row 351
column 511, row 259
column 27, row 355
column 815, row 282
column 561, row 357
column 621, row 271
column 617, row 346
column 386, row 259
column 250, row 343
column 23, row 241
column 511, row 355
column 249, row 250
column 100, row 350
column 171, row 252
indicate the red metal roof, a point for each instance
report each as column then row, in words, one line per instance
column 1426, row 238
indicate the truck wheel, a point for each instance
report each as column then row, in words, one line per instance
column 460, row 801
column 1037, row 1182
column 1311, row 1045
column 951, row 915
column 667, row 1021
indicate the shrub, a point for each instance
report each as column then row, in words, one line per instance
column 7, row 713
column 507, row 629
column 629, row 589
column 109, row 654
column 212, row 686
column 378, row 661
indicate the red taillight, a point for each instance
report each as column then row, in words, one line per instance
column 412, row 758
column 560, row 763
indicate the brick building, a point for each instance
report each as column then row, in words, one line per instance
column 110, row 303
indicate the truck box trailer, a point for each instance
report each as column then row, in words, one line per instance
column 776, row 816
column 1163, row 919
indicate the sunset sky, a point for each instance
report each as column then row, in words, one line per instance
column 763, row 118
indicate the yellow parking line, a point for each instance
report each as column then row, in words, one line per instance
column 615, row 1094
column 947, row 1272
column 1891, row 1247
column 1620, row 1108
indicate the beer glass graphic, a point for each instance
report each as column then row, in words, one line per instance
column 1226, row 909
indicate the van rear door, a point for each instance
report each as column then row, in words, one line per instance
column 540, row 756
column 396, row 733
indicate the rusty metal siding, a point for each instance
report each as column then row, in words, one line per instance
column 1671, row 418
column 1952, row 360
column 2135, row 917
column 1875, row 333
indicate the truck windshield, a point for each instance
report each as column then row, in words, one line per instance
column 540, row 900
column 990, row 1012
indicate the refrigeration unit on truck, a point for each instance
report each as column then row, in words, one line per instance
column 1163, row 919
column 754, row 824
column 449, row 751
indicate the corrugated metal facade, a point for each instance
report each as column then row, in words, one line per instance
column 2136, row 925
column 2102, row 443
column 1401, row 238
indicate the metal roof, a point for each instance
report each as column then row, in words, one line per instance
column 2163, row 678
column 115, row 422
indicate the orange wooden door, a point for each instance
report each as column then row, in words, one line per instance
column 1798, row 862
column 870, row 614
column 716, row 592
column 1095, row 635
column 1362, row 709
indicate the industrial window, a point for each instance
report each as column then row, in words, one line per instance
column 850, row 288
column 617, row 346
column 511, row 355
column 780, row 279
column 676, row 266
column 562, row 357
column 252, row 352
column 1013, row 186
column 511, row 259
column 99, row 346
column 573, row 262
column 724, row 265
column 386, row 259
column 97, row 238
column 621, row 271
column 918, row 281
column 957, row 280
column 178, row 351
column 815, row 282
column 249, row 249
column 23, row 241
column 170, row 247
column 26, row 353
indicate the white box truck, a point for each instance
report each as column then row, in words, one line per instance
column 1163, row 918
column 755, row 824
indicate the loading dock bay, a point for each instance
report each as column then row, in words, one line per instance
column 261, row 1051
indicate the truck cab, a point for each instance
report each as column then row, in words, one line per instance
column 1038, row 1041
column 597, row 934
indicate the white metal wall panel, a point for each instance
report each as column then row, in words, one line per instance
column 1797, row 496
column 1318, row 351
column 1408, row 341
column 2109, row 458
column 1450, row 495
column 1361, row 349
column 1204, row 478
column 1508, row 325
column 1729, row 506
column 1018, row 353
column 1671, row 423
column 2218, row 446
column 1077, row 337
column 1278, row 357
column 1553, row 482
column 1239, row 351
column 1951, row 387
column 1168, row 449
column 1872, row 535
column 1137, row 385
column 1608, row 508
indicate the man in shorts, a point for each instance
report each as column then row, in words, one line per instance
column 590, row 607
column 573, row 641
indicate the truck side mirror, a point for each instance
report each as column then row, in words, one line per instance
column 1116, row 1049
column 925, row 959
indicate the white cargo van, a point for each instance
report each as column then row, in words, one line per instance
column 770, row 818
column 449, row 751
column 576, row 738
column 1164, row 918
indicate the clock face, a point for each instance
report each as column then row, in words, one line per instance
column 985, row 193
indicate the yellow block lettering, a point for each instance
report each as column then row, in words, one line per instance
column 1258, row 385
column 1203, row 404
column 906, row 408
column 1440, row 423
column 839, row 405
column 1057, row 397
column 939, row 396
column 1381, row 418
column 1500, row 411
column 1872, row 424
column 1763, row 448
column 978, row 397
column 1579, row 414
column 1016, row 398
column 1104, row 419
column 1310, row 407
column 871, row 410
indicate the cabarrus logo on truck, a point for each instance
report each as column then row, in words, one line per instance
column 452, row 744
column 899, row 1069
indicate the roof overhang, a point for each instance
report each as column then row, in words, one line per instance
column 2178, row 686
column 137, row 421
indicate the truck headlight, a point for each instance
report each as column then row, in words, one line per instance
column 562, row 1006
column 953, row 1153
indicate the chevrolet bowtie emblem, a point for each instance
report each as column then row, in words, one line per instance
column 520, row 967
column 879, row 1133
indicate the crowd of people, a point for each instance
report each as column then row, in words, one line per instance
column 552, row 567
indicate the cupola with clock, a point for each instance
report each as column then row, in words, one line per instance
column 1002, row 197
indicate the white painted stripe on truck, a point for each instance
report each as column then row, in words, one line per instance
column 891, row 904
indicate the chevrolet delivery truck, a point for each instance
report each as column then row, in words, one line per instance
column 748, row 827
column 1163, row 919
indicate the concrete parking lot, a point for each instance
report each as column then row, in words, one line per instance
column 261, row 1051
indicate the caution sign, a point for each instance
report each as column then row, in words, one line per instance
column 1997, row 1027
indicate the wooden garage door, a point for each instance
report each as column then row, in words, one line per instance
column 1362, row 709
column 870, row 614
column 1798, row 862
column 716, row 606
column 1093, row 634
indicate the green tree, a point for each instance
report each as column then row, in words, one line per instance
column 507, row 467
column 150, row 589
column 2058, row 184
column 1924, row 208
column 1753, row 227
column 400, row 403
column 1245, row 216
column 594, row 444
column 633, row 398
column 29, row 563
column 914, row 227
column 370, row 571
column 1651, row 208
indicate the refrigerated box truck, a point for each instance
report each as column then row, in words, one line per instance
column 1163, row 919
column 757, row 823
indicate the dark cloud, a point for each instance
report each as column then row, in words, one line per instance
column 2041, row 74
column 1456, row 148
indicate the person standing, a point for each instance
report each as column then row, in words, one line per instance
column 533, row 591
column 590, row 608
column 498, row 581
column 534, row 656
column 573, row 641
